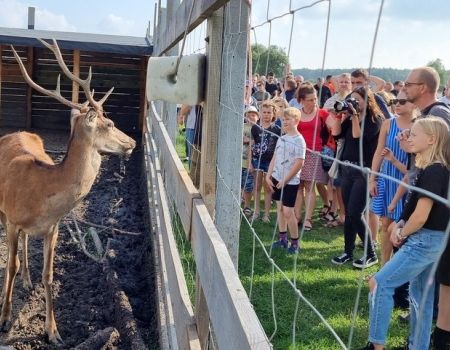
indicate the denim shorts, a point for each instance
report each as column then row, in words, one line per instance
column 262, row 165
column 246, row 180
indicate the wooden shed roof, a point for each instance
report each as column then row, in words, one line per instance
column 78, row 41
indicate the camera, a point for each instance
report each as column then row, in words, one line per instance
column 341, row 106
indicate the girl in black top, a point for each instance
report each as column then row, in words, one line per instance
column 360, row 124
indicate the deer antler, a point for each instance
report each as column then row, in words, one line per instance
column 55, row 93
column 85, row 84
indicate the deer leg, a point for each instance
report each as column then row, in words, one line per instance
column 10, row 274
column 47, row 280
column 25, row 272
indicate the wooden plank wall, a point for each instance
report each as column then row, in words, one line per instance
column 23, row 108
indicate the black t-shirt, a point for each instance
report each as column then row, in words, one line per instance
column 434, row 178
column 265, row 141
column 370, row 140
column 271, row 88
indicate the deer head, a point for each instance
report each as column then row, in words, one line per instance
column 87, row 118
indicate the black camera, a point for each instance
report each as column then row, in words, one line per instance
column 341, row 106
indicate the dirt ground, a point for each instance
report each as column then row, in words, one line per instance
column 98, row 305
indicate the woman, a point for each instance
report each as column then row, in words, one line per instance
column 310, row 127
column 392, row 160
column 362, row 109
column 420, row 233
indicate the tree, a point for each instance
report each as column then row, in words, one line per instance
column 277, row 60
column 439, row 66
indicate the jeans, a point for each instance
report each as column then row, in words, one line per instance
column 189, row 135
column 413, row 263
column 354, row 187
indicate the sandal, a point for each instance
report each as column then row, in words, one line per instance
column 308, row 225
column 265, row 219
column 325, row 210
column 334, row 223
column 330, row 216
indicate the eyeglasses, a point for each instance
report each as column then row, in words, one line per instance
column 407, row 84
column 401, row 101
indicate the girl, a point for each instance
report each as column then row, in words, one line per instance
column 354, row 183
column 420, row 233
column 383, row 190
column 310, row 127
column 262, row 146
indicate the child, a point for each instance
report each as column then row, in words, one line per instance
column 283, row 177
column 281, row 104
column 250, row 119
column 264, row 138
column 420, row 233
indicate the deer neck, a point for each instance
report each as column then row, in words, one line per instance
column 80, row 167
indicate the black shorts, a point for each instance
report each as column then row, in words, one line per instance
column 443, row 270
column 289, row 194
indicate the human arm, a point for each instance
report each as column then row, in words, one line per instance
column 415, row 221
column 183, row 113
column 388, row 155
column 401, row 191
column 377, row 81
column 298, row 164
column 269, row 173
column 377, row 157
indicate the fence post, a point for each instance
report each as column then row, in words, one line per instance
column 207, row 186
column 229, row 149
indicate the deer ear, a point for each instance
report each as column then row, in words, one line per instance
column 91, row 117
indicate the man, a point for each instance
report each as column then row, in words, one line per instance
column 446, row 94
column 261, row 94
column 421, row 87
column 299, row 79
column 323, row 92
column 271, row 85
column 329, row 84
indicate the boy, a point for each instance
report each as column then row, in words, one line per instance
column 283, row 177
column 250, row 118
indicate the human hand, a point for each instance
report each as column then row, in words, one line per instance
column 373, row 188
column 387, row 154
column 270, row 183
column 391, row 207
column 281, row 184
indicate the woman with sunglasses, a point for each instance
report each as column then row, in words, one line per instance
column 361, row 124
column 389, row 159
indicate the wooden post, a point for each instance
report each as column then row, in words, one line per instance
column 207, row 186
column 30, row 63
column 142, row 96
column 76, row 72
column 229, row 148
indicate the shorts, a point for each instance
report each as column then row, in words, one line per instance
column 262, row 165
column 289, row 194
column 246, row 180
column 443, row 270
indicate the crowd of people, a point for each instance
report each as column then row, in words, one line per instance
column 302, row 138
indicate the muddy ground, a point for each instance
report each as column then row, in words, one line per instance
column 98, row 305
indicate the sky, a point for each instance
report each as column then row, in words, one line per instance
column 411, row 32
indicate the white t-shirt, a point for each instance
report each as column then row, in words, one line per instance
column 287, row 151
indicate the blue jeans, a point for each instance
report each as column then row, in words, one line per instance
column 413, row 263
column 189, row 135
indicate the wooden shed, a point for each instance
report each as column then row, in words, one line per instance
column 119, row 61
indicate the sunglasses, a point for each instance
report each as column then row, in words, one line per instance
column 401, row 101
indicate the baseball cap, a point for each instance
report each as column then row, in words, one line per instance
column 251, row 109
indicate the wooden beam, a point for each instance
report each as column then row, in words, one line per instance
column 1, row 64
column 30, row 65
column 142, row 96
column 175, row 29
column 76, row 72
column 234, row 320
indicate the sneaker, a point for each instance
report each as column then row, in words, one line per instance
column 369, row 346
column 293, row 249
column 342, row 259
column 280, row 244
column 364, row 262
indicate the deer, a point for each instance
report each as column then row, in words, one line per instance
column 36, row 193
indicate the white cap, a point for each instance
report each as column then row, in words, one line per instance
column 251, row 109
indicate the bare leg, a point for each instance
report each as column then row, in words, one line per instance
column 282, row 224
column 290, row 220
column 257, row 189
column 267, row 199
column 374, row 221
column 299, row 202
column 386, row 245
column 47, row 280
column 310, row 200
column 25, row 272
column 11, row 271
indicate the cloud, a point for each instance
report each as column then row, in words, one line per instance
column 14, row 14
column 117, row 25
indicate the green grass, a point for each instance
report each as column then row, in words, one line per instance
column 331, row 289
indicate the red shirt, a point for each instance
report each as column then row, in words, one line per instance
column 307, row 130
